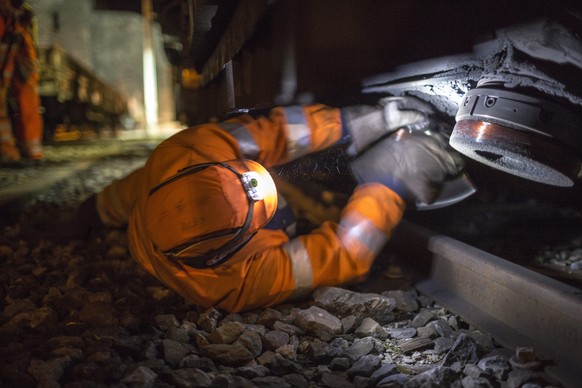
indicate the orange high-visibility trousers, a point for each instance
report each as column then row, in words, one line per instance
column 8, row 48
column 28, row 125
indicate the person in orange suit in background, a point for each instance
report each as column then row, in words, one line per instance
column 28, row 124
column 8, row 47
column 18, row 69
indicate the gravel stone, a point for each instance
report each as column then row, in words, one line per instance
column 405, row 301
column 441, row 327
column 288, row 328
column 269, row 316
column 253, row 371
column 365, row 366
column 476, row 382
column 497, row 366
column 180, row 334
column 165, row 322
column 441, row 376
column 296, row 380
column 271, row 382
column 386, row 369
column 518, row 377
column 98, row 313
column 394, row 380
column 343, row 302
column 277, row 364
column 370, row 327
column 464, row 350
column 209, row 319
column 244, row 349
column 428, row 332
column 422, row 318
column 339, row 363
column 227, row 333
column 140, row 377
column 402, row 332
column 349, row 322
column 336, row 380
column 47, row 371
column 173, row 352
column 443, row 344
column 189, row 377
column 195, row 361
column 318, row 322
column 359, row 348
column 275, row 339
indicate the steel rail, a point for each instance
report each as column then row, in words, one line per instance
column 515, row 305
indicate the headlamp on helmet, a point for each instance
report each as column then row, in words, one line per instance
column 252, row 183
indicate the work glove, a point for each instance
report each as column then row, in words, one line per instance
column 367, row 124
column 414, row 165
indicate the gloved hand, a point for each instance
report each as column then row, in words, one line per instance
column 367, row 124
column 414, row 165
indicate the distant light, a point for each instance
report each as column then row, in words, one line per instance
column 149, row 70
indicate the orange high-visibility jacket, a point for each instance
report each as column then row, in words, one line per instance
column 270, row 268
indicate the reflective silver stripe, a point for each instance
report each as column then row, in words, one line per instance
column 298, row 132
column 301, row 264
column 356, row 227
column 247, row 144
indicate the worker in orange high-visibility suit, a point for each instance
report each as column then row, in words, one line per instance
column 9, row 42
column 200, row 213
column 28, row 124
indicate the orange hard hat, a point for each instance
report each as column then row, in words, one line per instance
column 206, row 212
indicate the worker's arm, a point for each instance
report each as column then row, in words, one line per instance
column 294, row 131
column 344, row 252
column 391, row 174
column 286, row 134
column 333, row 254
column 115, row 202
